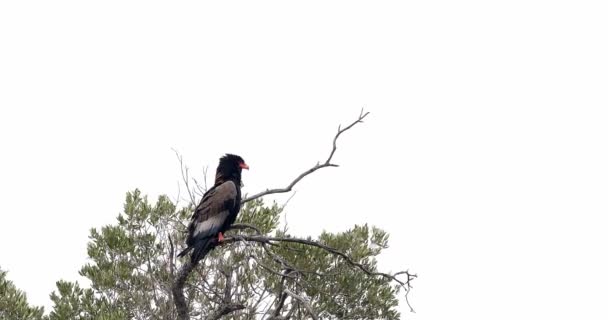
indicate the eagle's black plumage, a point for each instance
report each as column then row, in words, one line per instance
column 217, row 210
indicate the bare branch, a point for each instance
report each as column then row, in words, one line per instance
column 243, row 226
column 186, row 177
column 405, row 284
column 205, row 172
column 340, row 131
column 171, row 256
column 293, row 308
column 269, row 269
column 280, row 305
column 228, row 287
column 226, row 309
column 318, row 166
column 303, row 302
column 202, row 189
column 282, row 295
column 199, row 190
column 178, row 290
column 227, row 306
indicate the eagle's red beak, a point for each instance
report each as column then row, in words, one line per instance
column 243, row 165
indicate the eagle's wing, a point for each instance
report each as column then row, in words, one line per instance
column 212, row 212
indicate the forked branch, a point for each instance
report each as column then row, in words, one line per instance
column 267, row 241
column 405, row 284
column 316, row 167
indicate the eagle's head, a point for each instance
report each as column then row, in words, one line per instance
column 230, row 168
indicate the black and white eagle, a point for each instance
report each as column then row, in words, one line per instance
column 217, row 210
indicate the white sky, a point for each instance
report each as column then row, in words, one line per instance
column 485, row 155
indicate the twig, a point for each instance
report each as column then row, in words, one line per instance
column 269, row 269
column 226, row 309
column 282, row 294
column 303, row 302
column 227, row 306
column 185, row 176
column 360, row 120
column 318, row 166
column 243, row 226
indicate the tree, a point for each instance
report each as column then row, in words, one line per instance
column 73, row 302
column 13, row 302
column 130, row 267
column 261, row 271
column 133, row 265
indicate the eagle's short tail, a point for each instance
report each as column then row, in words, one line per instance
column 184, row 252
column 201, row 248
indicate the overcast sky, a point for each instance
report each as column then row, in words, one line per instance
column 485, row 154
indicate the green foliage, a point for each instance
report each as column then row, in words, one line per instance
column 72, row 302
column 266, row 219
column 13, row 302
column 131, row 268
column 344, row 291
column 133, row 264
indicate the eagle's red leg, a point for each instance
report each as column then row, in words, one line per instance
column 220, row 237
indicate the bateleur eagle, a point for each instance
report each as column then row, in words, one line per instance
column 217, row 210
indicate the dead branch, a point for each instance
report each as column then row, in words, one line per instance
column 226, row 309
column 186, row 177
column 318, row 166
column 282, row 294
column 227, row 305
column 243, row 226
column 171, row 256
column 269, row 269
column 304, row 302
column 178, row 290
column 193, row 191
column 294, row 305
